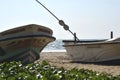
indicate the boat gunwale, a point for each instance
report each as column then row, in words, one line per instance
column 26, row 36
column 94, row 40
column 90, row 43
column 23, row 28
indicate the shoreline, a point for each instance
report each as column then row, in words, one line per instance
column 61, row 59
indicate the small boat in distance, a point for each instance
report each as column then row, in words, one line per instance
column 94, row 51
column 24, row 43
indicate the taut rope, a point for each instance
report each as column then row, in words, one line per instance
column 61, row 22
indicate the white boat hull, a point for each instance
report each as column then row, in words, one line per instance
column 93, row 51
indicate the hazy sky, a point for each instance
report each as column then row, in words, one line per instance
column 90, row 19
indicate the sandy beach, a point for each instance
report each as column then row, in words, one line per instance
column 60, row 59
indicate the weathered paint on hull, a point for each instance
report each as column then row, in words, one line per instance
column 98, row 52
column 26, row 50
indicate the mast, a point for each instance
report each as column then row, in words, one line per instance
column 61, row 22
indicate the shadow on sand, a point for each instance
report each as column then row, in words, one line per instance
column 106, row 63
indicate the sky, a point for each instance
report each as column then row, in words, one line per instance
column 89, row 19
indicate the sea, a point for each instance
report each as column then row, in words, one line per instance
column 55, row 46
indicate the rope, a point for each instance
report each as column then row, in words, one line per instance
column 47, row 9
column 61, row 22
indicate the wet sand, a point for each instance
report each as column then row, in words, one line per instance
column 60, row 59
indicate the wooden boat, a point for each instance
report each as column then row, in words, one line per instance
column 24, row 43
column 94, row 51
